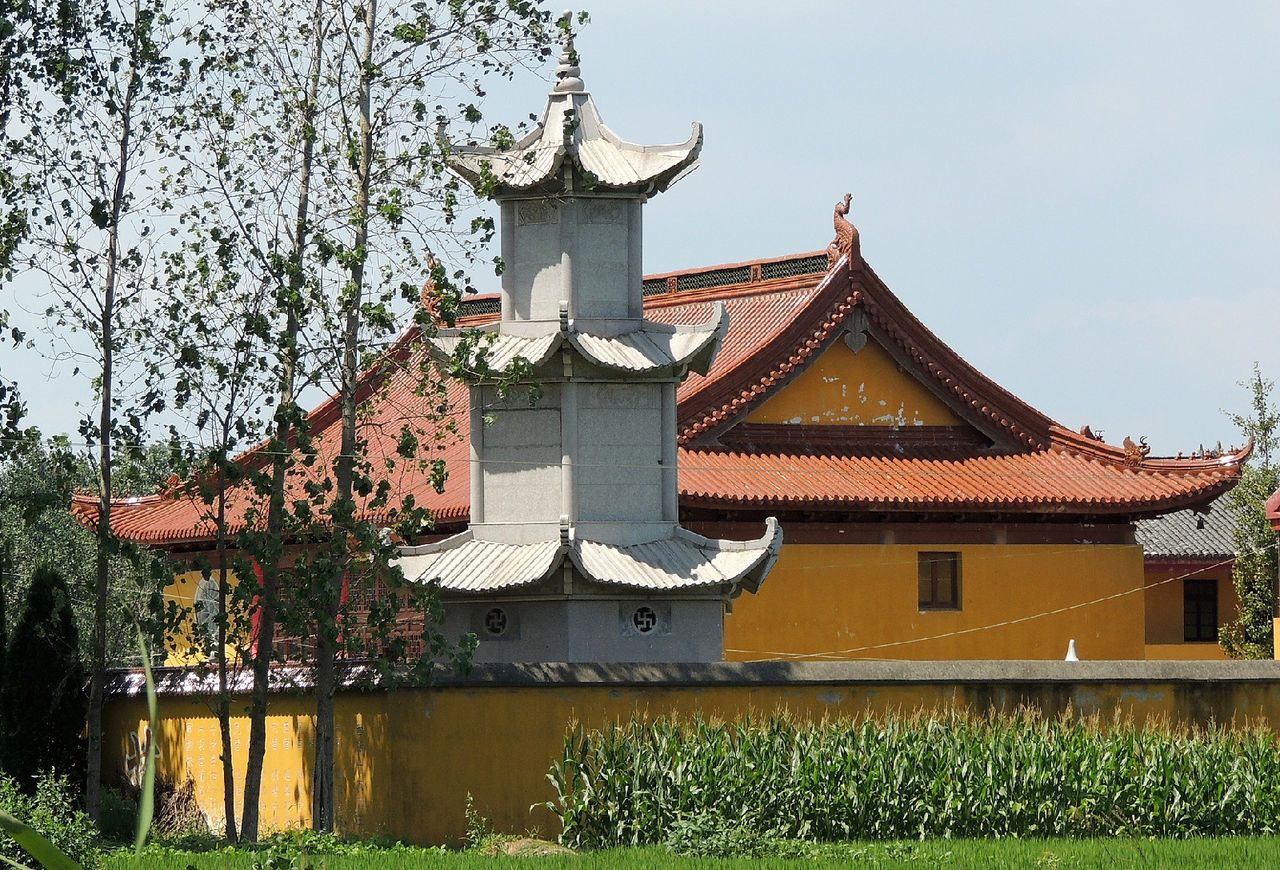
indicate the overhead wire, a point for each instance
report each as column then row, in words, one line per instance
column 843, row 654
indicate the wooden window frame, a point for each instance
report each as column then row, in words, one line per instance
column 1195, row 594
column 932, row 561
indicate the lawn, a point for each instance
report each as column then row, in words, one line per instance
column 1111, row 854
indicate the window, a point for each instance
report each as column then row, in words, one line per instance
column 648, row 620
column 939, row 581
column 207, row 612
column 1200, row 610
column 644, row 619
column 495, row 622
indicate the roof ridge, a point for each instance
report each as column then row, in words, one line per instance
column 760, row 261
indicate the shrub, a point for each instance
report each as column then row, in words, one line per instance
column 44, row 688
column 905, row 777
column 53, row 810
column 118, row 816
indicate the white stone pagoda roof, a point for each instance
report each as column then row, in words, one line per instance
column 570, row 129
column 682, row 560
column 650, row 347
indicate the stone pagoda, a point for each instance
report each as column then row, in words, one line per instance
column 575, row 551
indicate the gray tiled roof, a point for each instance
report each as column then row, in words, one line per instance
column 681, row 560
column 1189, row 533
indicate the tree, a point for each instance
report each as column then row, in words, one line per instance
column 96, row 123
column 43, row 698
column 215, row 329
column 37, row 481
column 6, row 577
column 1254, row 574
column 256, row 100
column 322, row 126
column 96, row 132
column 386, row 185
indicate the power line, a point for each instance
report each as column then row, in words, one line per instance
column 846, row 653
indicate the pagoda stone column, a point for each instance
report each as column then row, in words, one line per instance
column 574, row 496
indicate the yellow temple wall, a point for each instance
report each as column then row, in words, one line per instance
column 844, row 601
column 1164, row 606
column 180, row 643
column 408, row 759
column 842, row 388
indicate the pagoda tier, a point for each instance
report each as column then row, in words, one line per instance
column 681, row 561
column 571, row 150
column 573, row 481
column 649, row 349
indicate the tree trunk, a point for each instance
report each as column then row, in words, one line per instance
column 224, row 696
column 322, row 791
column 269, row 595
column 102, row 548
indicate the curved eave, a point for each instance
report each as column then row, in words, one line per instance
column 683, row 561
column 1064, row 439
column 981, row 506
column 496, row 353
column 652, row 349
column 536, row 161
column 463, row 564
column 655, row 346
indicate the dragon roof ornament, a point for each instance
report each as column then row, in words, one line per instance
column 847, row 241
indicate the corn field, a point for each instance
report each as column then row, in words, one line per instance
column 914, row 776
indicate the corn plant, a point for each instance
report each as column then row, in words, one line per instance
column 914, row 776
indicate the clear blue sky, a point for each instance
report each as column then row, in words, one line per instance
column 1083, row 199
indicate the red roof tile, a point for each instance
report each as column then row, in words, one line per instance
column 1041, row 481
column 776, row 328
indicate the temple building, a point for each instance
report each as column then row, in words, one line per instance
column 1189, row 555
column 685, row 418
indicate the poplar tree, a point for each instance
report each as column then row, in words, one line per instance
column 317, row 153
column 257, row 100
column 1249, row 636
column 215, row 327
column 390, row 207
column 94, row 115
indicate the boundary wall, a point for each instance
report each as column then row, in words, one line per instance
column 407, row 758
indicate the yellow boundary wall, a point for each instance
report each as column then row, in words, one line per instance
column 408, row 758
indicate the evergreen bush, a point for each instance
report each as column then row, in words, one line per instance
column 43, row 692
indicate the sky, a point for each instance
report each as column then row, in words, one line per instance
column 1082, row 199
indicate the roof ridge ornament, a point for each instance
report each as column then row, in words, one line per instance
column 1135, row 453
column 847, row 241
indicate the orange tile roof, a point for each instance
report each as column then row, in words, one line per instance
column 1052, row 480
column 783, row 314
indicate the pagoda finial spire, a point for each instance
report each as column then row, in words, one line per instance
column 568, row 73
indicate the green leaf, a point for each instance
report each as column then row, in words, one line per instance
column 49, row 855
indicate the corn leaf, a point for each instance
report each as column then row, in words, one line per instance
column 49, row 855
column 146, row 801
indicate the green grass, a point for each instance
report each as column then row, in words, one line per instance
column 1102, row 853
